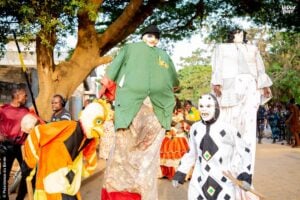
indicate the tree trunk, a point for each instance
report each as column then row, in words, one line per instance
column 89, row 52
column 65, row 77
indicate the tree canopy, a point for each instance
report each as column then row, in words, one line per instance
column 283, row 62
column 100, row 25
column 194, row 82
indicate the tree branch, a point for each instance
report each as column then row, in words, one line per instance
column 199, row 12
column 133, row 16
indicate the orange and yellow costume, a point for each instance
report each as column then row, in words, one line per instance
column 63, row 152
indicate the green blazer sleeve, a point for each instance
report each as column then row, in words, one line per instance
column 175, row 80
column 114, row 69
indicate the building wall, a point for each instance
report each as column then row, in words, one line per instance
column 5, row 90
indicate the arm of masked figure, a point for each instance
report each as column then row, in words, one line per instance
column 187, row 160
column 263, row 80
column 114, row 68
column 217, row 67
column 108, row 82
column 174, row 76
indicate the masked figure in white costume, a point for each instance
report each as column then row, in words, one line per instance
column 215, row 147
column 240, row 82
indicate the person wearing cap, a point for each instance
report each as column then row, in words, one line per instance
column 145, row 79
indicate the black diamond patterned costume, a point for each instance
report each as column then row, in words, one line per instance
column 214, row 147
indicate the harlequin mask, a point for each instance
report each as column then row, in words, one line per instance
column 208, row 107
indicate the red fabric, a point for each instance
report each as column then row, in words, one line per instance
column 111, row 91
column 119, row 195
column 10, row 118
column 108, row 89
column 41, row 121
column 168, row 172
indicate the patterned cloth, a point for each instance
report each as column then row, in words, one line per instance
column 239, row 70
column 107, row 140
column 134, row 163
column 274, row 119
column 243, row 115
column 214, row 148
column 63, row 115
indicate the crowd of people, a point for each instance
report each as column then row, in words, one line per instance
column 281, row 120
column 147, row 132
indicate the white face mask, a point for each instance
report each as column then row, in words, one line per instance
column 238, row 37
column 207, row 107
column 150, row 39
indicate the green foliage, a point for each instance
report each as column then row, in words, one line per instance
column 286, row 83
column 177, row 18
column 225, row 15
column 283, row 63
column 194, row 81
column 198, row 57
column 28, row 18
column 285, row 49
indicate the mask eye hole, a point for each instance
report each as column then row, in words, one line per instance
column 98, row 121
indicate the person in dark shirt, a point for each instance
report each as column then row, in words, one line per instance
column 58, row 106
column 11, row 139
column 261, row 117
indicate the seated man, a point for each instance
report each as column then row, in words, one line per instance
column 64, row 151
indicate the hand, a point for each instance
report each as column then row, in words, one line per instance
column 267, row 92
column 217, row 90
column 175, row 183
column 176, row 89
column 102, row 91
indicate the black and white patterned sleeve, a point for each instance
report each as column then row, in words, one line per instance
column 189, row 158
